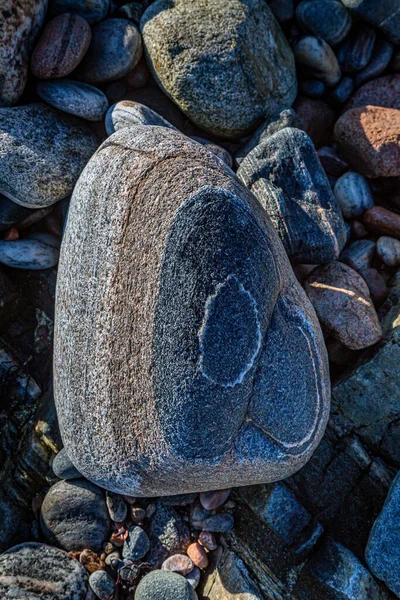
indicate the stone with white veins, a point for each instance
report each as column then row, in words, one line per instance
column 74, row 97
column 181, row 332
column 42, row 153
column 286, row 176
column 38, row 251
column 129, row 114
column 353, row 194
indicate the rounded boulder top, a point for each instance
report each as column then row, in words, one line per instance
column 187, row 356
column 227, row 65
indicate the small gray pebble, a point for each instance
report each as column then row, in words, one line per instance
column 136, row 545
column 117, row 507
column 359, row 255
column 178, row 563
column 129, row 114
column 220, row 523
column 194, row 577
column 74, row 97
column 353, row 195
column 165, row 585
column 388, row 250
column 63, row 467
column 328, row 19
column 102, row 584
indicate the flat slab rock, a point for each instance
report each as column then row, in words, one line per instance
column 38, row 572
column 188, row 344
column 227, row 65
column 284, row 173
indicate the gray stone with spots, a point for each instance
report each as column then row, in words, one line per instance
column 190, row 358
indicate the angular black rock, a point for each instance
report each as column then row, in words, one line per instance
column 36, row 572
column 189, row 346
column 285, row 174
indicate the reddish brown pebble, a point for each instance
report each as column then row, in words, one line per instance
column 207, row 539
column 198, row 555
column 61, row 47
column 383, row 221
column 11, row 234
column 178, row 563
column 358, row 230
column 383, row 91
column 369, row 139
column 318, row 119
column 75, row 554
column 376, row 285
column 214, row 499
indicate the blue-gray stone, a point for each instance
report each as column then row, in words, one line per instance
column 115, row 49
column 353, row 195
column 11, row 213
column 38, row 251
column 327, row 19
column 381, row 57
column 91, row 10
column 117, row 507
column 220, row 523
column 342, row 92
column 359, row 255
column 136, row 545
column 169, row 534
column 164, row 585
column 384, row 14
column 129, row 114
column 227, row 65
column 355, row 52
column 316, row 59
column 74, row 97
column 102, row 585
column 33, row 571
column 63, row 467
column 194, row 577
column 383, row 549
column 191, row 373
column 312, row 88
column 284, row 173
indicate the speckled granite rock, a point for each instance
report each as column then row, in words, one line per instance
column 35, row 571
column 226, row 64
column 191, row 307
column 165, row 585
column 42, row 152
column 285, row 174
column 383, row 550
column 20, row 22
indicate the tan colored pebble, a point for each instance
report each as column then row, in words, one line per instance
column 198, row 555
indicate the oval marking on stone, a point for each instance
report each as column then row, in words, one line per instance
column 230, row 335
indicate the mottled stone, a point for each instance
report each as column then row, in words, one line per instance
column 342, row 302
column 384, row 14
column 91, row 10
column 74, row 97
column 63, row 467
column 388, row 250
column 61, row 46
column 284, row 118
column 318, row 119
column 35, row 571
column 380, row 59
column 353, row 195
column 215, row 149
column 355, row 52
column 178, row 563
column 74, row 515
column 169, row 534
column 179, row 233
column 198, row 555
column 38, row 251
column 383, row 91
column 382, row 553
column 316, row 58
column 333, row 164
column 102, row 585
column 327, row 19
column 19, row 25
column 226, row 65
column 129, row 114
column 284, row 173
column 359, row 255
column 220, row 523
column 165, row 585
column 115, row 49
column 136, row 545
column 42, row 154
column 207, row 539
column 382, row 221
column 117, row 507
column 213, row 500
column 197, row 515
column 369, row 139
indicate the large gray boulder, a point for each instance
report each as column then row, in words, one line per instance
column 187, row 356
column 227, row 65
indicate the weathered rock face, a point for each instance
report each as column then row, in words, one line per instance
column 181, row 334
column 285, row 174
column 19, row 24
column 225, row 64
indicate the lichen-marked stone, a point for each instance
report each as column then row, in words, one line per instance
column 284, row 173
column 183, row 325
column 33, row 571
column 227, row 65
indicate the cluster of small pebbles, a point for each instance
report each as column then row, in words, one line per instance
column 309, row 120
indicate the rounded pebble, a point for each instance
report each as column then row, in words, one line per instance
column 353, row 194
column 220, row 523
column 67, row 506
column 383, row 221
column 376, row 284
column 207, row 539
column 61, row 46
column 63, row 467
column 355, row 52
column 165, row 585
column 327, row 19
column 136, row 545
column 198, row 555
column 342, row 92
column 117, row 507
column 91, row 10
column 194, row 577
column 38, row 251
column 214, row 499
column 178, row 563
column 388, row 250
column 115, row 49
column 316, row 58
column 102, row 585
column 74, row 97
column 381, row 56
column 130, row 114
